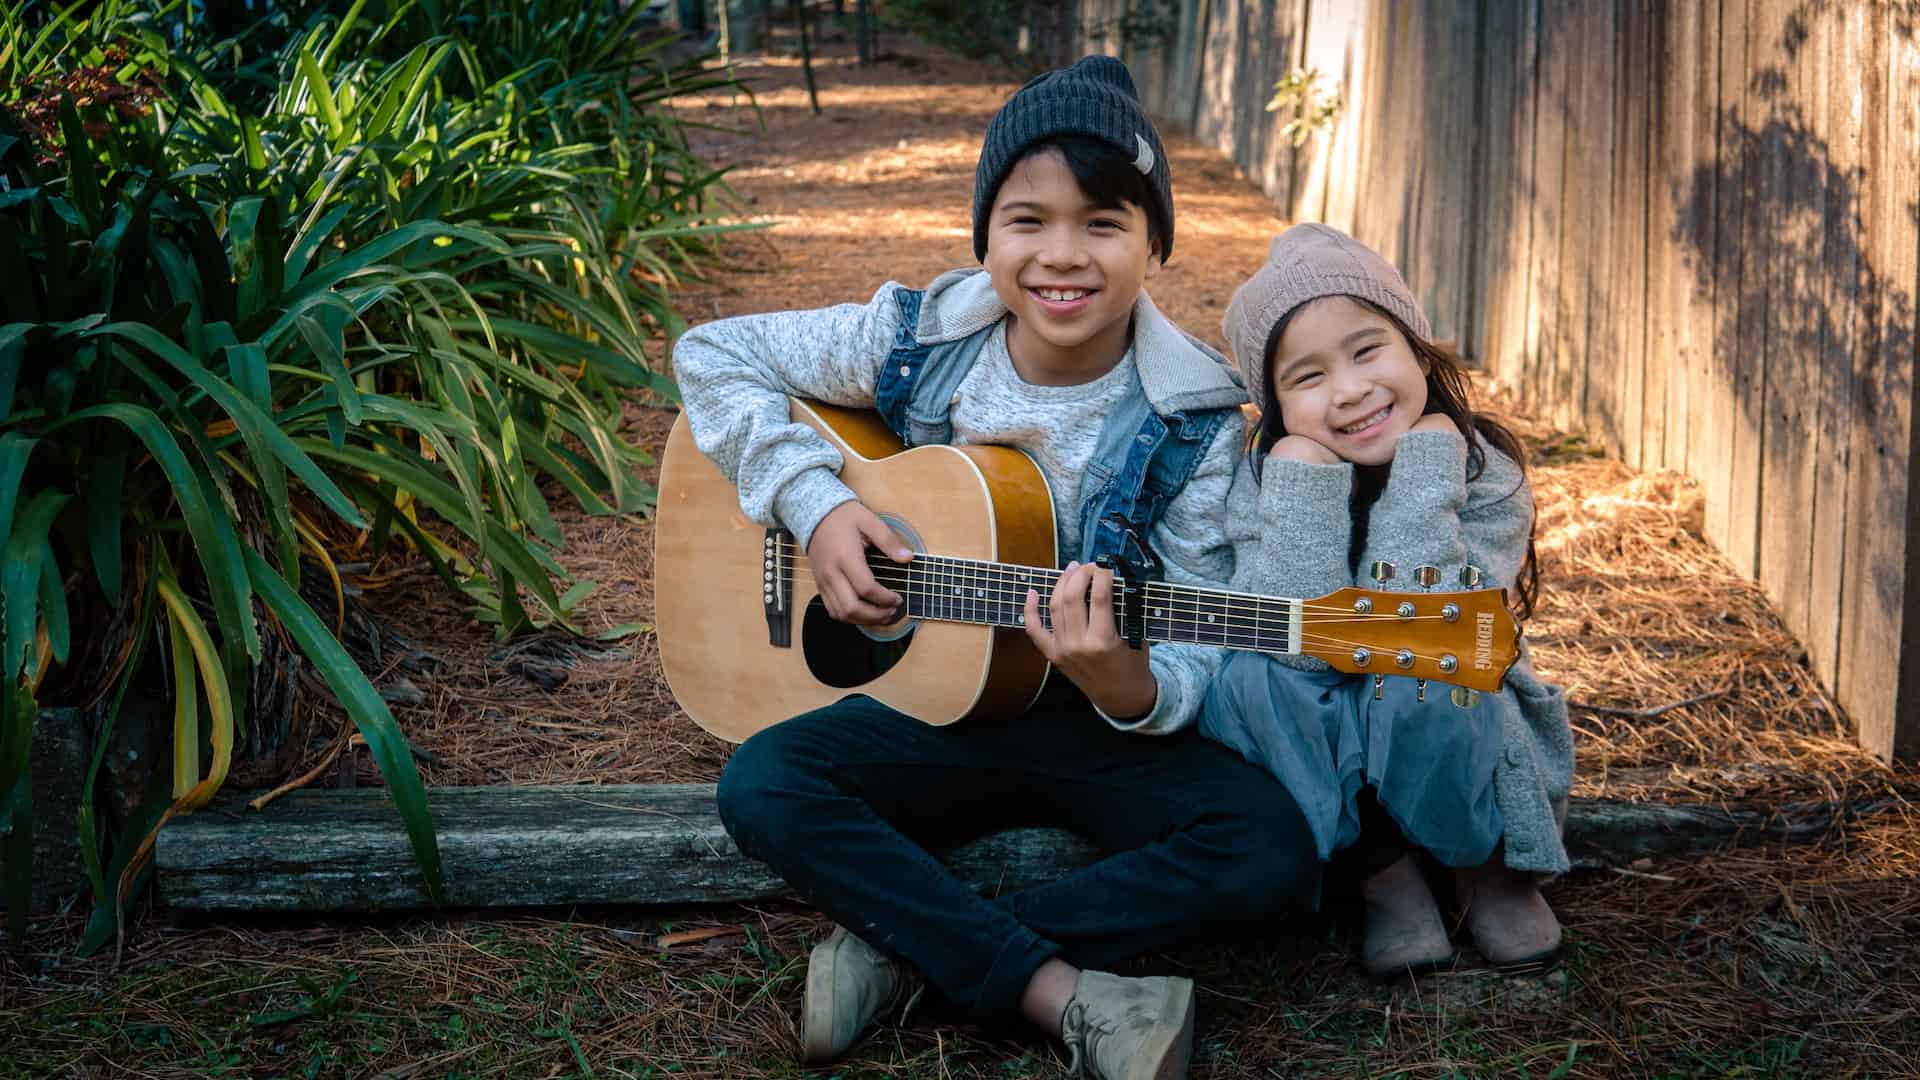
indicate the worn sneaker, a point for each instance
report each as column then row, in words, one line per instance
column 849, row 984
column 1129, row 1029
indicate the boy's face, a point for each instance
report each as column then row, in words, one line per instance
column 1067, row 270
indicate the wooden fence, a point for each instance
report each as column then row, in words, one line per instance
column 1690, row 227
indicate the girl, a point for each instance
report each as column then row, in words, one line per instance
column 1368, row 451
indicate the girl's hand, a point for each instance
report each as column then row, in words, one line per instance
column 1435, row 422
column 1086, row 646
column 1301, row 448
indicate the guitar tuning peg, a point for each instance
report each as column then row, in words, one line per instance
column 1427, row 576
column 1420, row 690
column 1470, row 577
column 1379, row 687
column 1465, row 697
column 1382, row 571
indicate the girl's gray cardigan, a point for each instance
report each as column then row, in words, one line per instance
column 1291, row 534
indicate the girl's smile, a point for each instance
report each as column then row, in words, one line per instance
column 1346, row 378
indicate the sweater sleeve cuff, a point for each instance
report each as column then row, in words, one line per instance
column 1430, row 461
column 806, row 499
column 1290, row 486
column 1152, row 721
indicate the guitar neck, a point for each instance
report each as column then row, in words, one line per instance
column 946, row 589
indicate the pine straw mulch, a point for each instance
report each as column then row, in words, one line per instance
column 1792, row 961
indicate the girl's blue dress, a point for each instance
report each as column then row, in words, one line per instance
column 1324, row 736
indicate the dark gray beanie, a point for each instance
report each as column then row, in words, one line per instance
column 1094, row 97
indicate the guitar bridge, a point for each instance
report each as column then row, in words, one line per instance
column 776, row 588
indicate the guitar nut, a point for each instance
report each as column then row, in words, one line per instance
column 1449, row 664
column 1363, row 606
column 1404, row 658
column 1405, row 610
column 1362, row 657
column 1450, row 612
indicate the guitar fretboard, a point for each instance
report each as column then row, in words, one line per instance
column 948, row 589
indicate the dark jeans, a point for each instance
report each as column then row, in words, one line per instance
column 845, row 802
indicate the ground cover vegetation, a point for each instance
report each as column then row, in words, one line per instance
column 342, row 274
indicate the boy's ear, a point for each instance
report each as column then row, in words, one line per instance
column 1153, row 264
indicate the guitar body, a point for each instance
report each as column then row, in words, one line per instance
column 718, row 639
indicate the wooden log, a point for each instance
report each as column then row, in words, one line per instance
column 345, row 850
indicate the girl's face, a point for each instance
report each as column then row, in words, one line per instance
column 1345, row 378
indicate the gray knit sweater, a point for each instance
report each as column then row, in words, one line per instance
column 1291, row 532
column 735, row 375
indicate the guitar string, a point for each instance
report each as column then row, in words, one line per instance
column 1230, row 633
column 985, row 576
column 1240, row 606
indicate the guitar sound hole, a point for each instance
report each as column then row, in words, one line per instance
column 841, row 655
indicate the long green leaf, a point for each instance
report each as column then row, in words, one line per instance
column 321, row 93
column 102, row 923
column 20, row 578
column 496, row 543
column 213, row 533
column 247, row 417
column 369, row 712
column 106, row 480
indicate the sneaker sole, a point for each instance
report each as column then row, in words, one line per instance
column 1165, row 1056
column 816, row 1021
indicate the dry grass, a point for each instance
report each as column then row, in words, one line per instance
column 1790, row 962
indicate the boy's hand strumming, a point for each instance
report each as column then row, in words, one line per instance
column 838, row 552
column 1085, row 644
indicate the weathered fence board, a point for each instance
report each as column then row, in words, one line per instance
column 664, row 844
column 1689, row 229
column 1881, row 635
column 1547, row 322
column 1632, row 102
column 1840, row 267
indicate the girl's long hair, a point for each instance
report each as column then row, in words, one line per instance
column 1446, row 393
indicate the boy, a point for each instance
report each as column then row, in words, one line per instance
column 1054, row 349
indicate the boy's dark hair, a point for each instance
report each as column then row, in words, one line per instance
column 1095, row 98
column 1446, row 394
column 1109, row 181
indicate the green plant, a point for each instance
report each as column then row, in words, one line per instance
column 408, row 281
column 1299, row 92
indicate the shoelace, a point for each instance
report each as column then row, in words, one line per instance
column 1079, row 1036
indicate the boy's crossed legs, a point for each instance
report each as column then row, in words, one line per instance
column 846, row 801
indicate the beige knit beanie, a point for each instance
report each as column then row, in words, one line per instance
column 1305, row 263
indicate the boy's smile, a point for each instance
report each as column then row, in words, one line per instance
column 1067, row 270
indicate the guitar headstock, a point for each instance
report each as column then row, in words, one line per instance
column 1462, row 638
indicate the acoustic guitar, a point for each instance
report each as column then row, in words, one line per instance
column 746, row 642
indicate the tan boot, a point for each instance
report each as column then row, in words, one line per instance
column 1405, row 935
column 1117, row 1028
column 849, row 984
column 1512, row 925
